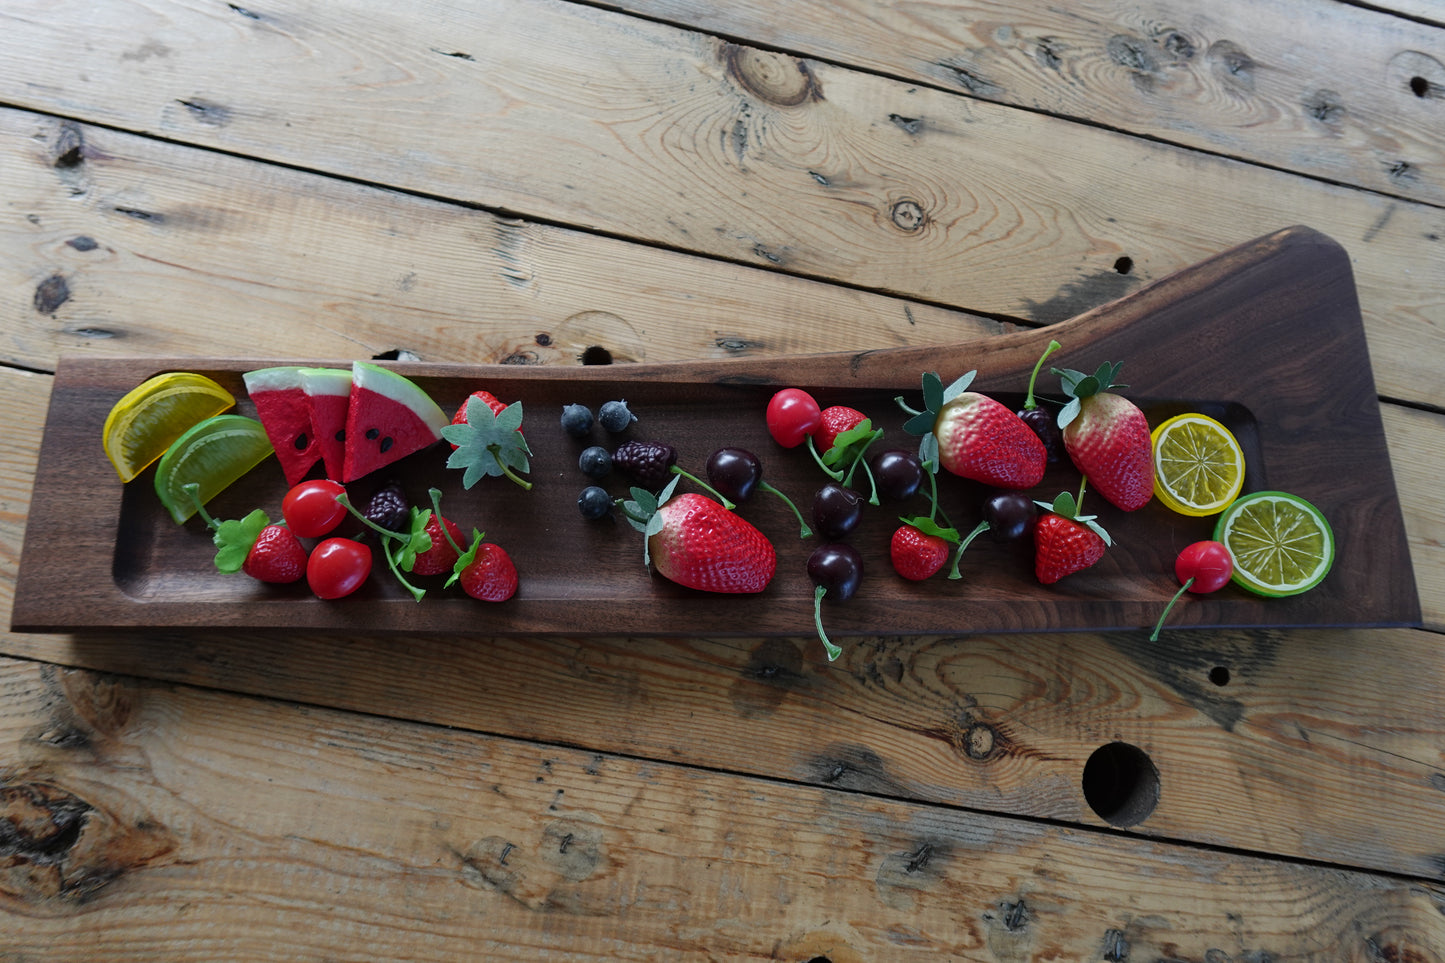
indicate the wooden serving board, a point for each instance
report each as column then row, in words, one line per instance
column 1266, row 337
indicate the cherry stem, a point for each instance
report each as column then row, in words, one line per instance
column 857, row 460
column 958, row 555
column 345, row 502
column 387, row 537
column 416, row 593
column 834, row 474
column 1160, row 624
column 804, row 530
column 193, row 489
column 1029, row 403
column 832, row 650
column 726, row 502
column 933, row 508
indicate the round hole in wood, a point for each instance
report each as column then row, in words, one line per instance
column 1419, row 86
column 1121, row 784
column 1219, row 675
column 596, row 354
column 1124, row 265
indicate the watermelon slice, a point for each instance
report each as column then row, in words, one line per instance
column 328, row 391
column 284, row 412
column 388, row 418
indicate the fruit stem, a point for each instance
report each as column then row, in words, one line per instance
column 933, row 508
column 726, row 502
column 859, row 459
column 506, row 470
column 193, row 489
column 416, row 593
column 837, row 476
column 1029, row 403
column 832, row 650
column 804, row 530
column 978, row 530
column 436, row 507
column 1079, row 501
column 1165, row 614
column 385, row 533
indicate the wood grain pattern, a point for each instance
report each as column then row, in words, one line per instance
column 1229, row 78
column 226, row 258
column 376, row 839
column 1292, row 417
column 559, row 112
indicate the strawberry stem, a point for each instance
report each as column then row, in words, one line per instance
column 832, row 650
column 804, row 530
column 1154, row 637
column 967, row 539
column 436, row 507
column 506, row 470
column 1029, row 403
column 416, row 593
column 193, row 489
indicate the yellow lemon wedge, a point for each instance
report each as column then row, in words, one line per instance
column 1198, row 465
column 211, row 455
column 151, row 416
column 1282, row 545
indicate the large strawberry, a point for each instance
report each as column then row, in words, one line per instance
column 486, row 571
column 694, row 541
column 1107, row 437
column 975, row 437
column 1066, row 542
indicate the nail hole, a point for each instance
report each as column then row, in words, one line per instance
column 1419, row 86
column 596, row 354
column 1219, row 675
column 1124, row 265
column 1121, row 784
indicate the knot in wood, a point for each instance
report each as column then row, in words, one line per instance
column 771, row 77
column 907, row 215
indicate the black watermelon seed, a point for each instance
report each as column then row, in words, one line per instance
column 301, row 442
column 386, row 444
column 372, row 434
column 341, row 434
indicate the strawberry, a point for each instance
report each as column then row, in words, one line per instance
column 433, row 554
column 487, row 440
column 1107, row 437
column 838, row 445
column 276, row 556
column 836, row 420
column 487, row 398
column 975, row 437
column 694, row 541
column 485, row 571
column 1066, row 542
column 917, row 555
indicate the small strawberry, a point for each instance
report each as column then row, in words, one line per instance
column 488, row 442
column 916, row 554
column 694, row 541
column 266, row 552
column 487, row 398
column 975, row 437
column 1066, row 542
column 840, row 442
column 485, row 571
column 836, row 420
column 429, row 551
column 1107, row 437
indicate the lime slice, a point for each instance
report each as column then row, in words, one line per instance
column 1281, row 543
column 1198, row 465
column 212, row 454
column 151, row 416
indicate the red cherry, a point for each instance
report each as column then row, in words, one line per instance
column 311, row 509
column 793, row 415
column 1201, row 568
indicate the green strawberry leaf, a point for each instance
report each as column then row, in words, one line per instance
column 932, row 391
column 930, row 527
column 234, row 539
column 1069, row 412
column 959, row 386
column 921, row 423
column 928, row 451
column 465, row 559
column 489, row 444
column 859, row 436
column 417, row 541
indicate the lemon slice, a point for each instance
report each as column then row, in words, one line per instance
column 212, row 454
column 1198, row 465
column 151, row 416
column 1281, row 543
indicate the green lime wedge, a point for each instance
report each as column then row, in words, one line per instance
column 212, row 455
column 1282, row 545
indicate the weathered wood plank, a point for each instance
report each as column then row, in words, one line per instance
column 152, row 821
column 1361, row 107
column 133, row 246
column 558, row 111
column 1240, row 726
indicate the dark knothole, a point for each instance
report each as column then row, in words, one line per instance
column 1219, row 675
column 596, row 354
column 1121, row 784
column 1124, row 265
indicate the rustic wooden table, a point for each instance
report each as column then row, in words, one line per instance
column 548, row 182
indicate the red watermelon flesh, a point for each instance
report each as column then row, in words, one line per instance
column 388, row 417
column 284, row 412
column 328, row 392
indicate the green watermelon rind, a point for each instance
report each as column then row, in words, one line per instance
column 283, row 409
column 335, row 383
column 398, row 390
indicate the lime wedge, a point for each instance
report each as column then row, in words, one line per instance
column 1198, row 465
column 1281, row 543
column 151, row 416
column 212, row 455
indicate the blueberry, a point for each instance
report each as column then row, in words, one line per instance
column 595, row 462
column 577, row 420
column 594, row 502
column 615, row 416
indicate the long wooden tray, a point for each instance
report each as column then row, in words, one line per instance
column 1267, row 337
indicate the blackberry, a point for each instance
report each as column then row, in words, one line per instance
column 388, row 507
column 648, row 463
column 594, row 502
column 595, row 462
column 615, row 416
column 577, row 420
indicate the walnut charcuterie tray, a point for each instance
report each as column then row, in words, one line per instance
column 1266, row 337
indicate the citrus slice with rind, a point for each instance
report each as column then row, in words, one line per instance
column 151, row 416
column 212, row 455
column 1281, row 544
column 1198, row 465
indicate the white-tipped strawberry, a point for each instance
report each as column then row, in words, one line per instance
column 1107, row 437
